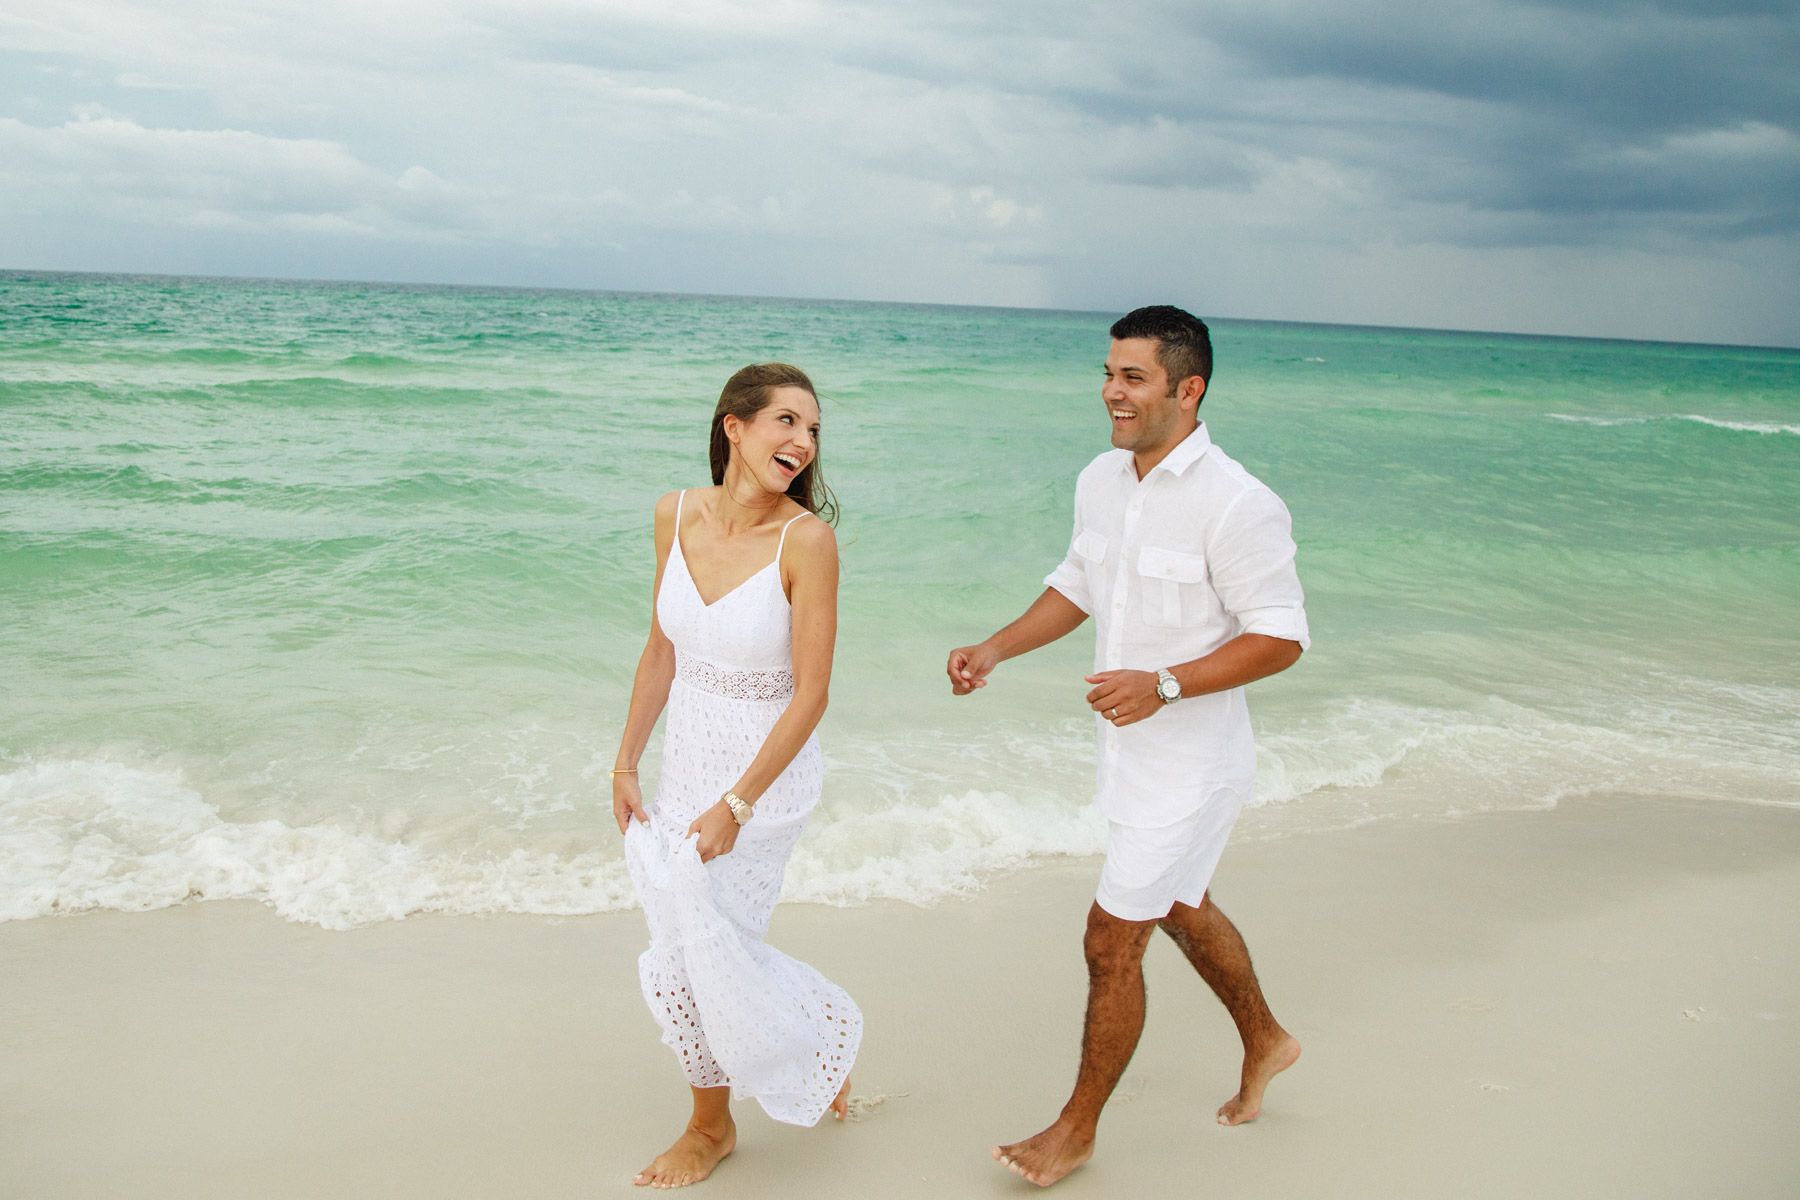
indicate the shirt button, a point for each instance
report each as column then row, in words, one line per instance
column 1168, row 570
column 1118, row 604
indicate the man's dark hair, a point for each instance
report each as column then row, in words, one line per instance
column 1183, row 346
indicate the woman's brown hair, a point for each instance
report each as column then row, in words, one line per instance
column 746, row 394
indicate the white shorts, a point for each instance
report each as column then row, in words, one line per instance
column 1149, row 871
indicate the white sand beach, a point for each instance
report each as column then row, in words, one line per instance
column 1598, row 1000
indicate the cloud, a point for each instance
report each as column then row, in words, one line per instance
column 226, row 178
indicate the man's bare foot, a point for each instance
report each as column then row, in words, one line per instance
column 840, row 1108
column 692, row 1158
column 1050, row 1155
column 1257, row 1072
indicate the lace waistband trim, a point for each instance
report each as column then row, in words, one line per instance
column 735, row 685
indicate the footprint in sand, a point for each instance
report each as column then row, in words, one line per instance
column 861, row 1108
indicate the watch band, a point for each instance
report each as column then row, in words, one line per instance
column 740, row 812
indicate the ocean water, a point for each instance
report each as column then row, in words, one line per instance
column 330, row 595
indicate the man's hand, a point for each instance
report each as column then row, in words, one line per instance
column 1124, row 697
column 628, row 800
column 969, row 666
column 718, row 831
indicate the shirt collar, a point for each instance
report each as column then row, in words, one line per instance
column 1186, row 453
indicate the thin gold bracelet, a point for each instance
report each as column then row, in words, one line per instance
column 621, row 771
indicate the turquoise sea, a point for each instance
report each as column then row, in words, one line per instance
column 329, row 595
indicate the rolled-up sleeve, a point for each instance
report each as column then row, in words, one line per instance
column 1251, row 559
column 1071, row 580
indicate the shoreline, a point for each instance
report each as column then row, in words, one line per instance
column 1596, row 999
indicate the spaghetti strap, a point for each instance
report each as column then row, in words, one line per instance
column 778, row 545
column 678, row 552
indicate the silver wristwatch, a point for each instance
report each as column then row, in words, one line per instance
column 1168, row 688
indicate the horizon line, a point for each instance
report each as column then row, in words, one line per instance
column 6, row 272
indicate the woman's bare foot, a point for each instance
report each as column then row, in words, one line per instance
column 840, row 1108
column 692, row 1158
column 1050, row 1155
column 1257, row 1072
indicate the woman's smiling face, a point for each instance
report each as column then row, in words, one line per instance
column 776, row 444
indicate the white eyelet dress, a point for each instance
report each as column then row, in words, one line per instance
column 734, row 1010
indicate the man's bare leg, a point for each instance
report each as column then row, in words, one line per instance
column 709, row 1137
column 1216, row 949
column 1109, row 1036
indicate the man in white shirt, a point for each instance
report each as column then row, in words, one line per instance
column 1186, row 563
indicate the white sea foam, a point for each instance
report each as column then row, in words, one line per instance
column 1372, row 757
column 77, row 835
column 921, row 853
column 98, row 834
column 1715, row 422
column 1742, row 426
column 86, row 834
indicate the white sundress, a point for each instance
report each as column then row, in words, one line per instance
column 734, row 1010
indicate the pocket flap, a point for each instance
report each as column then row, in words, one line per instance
column 1090, row 545
column 1172, row 565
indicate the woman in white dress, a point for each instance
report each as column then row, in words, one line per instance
column 739, row 655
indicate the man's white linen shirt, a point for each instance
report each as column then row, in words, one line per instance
column 1171, row 567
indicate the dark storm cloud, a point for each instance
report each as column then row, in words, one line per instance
column 1602, row 109
column 1626, row 69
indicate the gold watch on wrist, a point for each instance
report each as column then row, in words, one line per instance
column 740, row 812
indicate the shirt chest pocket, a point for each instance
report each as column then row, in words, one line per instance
column 1174, row 586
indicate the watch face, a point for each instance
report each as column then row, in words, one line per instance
column 1168, row 689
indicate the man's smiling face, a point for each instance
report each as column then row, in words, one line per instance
column 1148, row 415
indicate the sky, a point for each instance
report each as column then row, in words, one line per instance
column 1609, row 168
